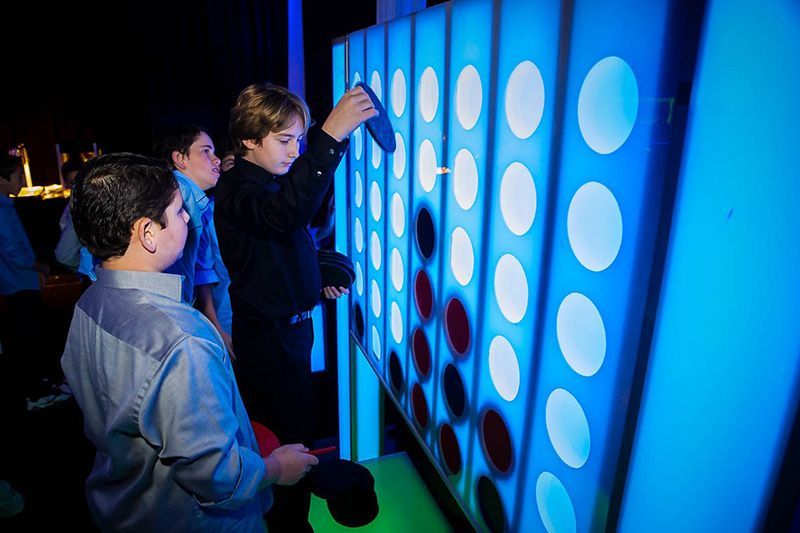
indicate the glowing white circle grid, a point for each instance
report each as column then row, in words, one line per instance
column 398, row 272
column 376, row 343
column 427, row 165
column 524, row 99
column 608, row 104
column 398, row 215
column 359, row 195
column 359, row 279
column 554, row 505
column 567, row 428
column 462, row 258
column 581, row 334
column 375, row 298
column 375, row 85
column 504, row 368
column 469, row 97
column 375, row 250
column 511, row 288
column 375, row 204
column 398, row 92
column 358, row 236
column 594, row 226
column 428, row 94
column 376, row 155
column 397, row 322
column 358, row 143
column 518, row 198
column 399, row 156
column 465, row 179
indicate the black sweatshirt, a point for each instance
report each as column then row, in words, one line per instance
column 261, row 221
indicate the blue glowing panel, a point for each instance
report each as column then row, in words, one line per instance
column 461, row 236
column 375, row 199
column 357, row 173
column 338, row 57
column 318, row 349
column 399, row 105
column 721, row 389
column 606, row 212
column 516, row 197
column 427, row 156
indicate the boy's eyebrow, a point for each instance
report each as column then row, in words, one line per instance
column 206, row 146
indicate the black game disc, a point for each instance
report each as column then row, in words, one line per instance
column 336, row 269
column 379, row 126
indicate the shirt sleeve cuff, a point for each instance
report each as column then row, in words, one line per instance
column 324, row 148
column 205, row 277
column 251, row 476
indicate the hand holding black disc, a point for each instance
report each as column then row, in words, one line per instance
column 379, row 126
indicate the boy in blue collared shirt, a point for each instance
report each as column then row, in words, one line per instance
column 190, row 151
column 175, row 448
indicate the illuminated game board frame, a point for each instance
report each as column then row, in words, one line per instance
column 505, row 254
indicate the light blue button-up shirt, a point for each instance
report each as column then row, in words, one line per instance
column 175, row 448
column 16, row 255
column 196, row 265
column 219, row 292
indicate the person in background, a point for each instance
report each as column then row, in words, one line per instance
column 175, row 447
column 69, row 250
column 264, row 205
column 226, row 160
column 190, row 151
column 33, row 371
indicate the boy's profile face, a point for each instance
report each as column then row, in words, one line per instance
column 277, row 151
column 173, row 237
column 201, row 164
column 15, row 182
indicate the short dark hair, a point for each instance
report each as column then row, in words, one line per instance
column 113, row 191
column 180, row 139
column 72, row 164
column 8, row 164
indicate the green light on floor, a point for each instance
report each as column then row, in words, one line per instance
column 403, row 500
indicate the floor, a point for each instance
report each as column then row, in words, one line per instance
column 53, row 461
column 404, row 502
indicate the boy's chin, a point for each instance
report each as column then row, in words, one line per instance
column 280, row 170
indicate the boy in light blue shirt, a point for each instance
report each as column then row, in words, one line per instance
column 190, row 151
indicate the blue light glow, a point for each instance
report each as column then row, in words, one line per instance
column 504, row 368
column 554, row 504
column 524, row 101
column 568, row 428
column 594, row 226
column 581, row 334
column 608, row 105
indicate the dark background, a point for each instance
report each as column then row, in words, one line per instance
column 121, row 74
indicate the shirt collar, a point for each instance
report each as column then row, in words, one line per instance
column 168, row 285
column 251, row 169
column 186, row 183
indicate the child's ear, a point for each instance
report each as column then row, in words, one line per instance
column 144, row 231
column 250, row 144
column 179, row 160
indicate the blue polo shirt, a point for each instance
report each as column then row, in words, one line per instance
column 16, row 255
column 196, row 265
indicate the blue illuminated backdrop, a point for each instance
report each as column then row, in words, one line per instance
column 507, row 254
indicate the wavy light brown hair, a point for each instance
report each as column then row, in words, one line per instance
column 262, row 108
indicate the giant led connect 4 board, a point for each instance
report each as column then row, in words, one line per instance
column 504, row 252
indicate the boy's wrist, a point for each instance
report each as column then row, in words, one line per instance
column 273, row 469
